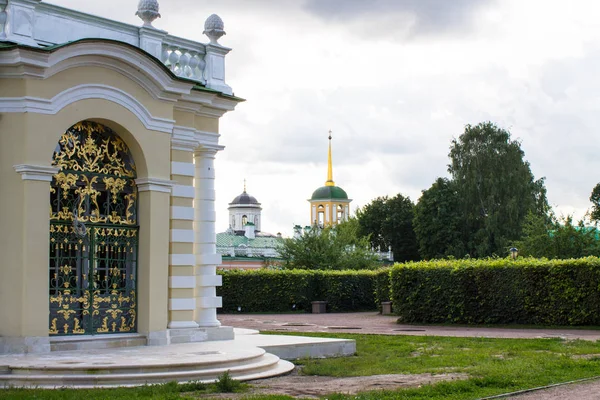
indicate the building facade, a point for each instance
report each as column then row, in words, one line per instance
column 108, row 137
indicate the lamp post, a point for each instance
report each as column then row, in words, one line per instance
column 514, row 253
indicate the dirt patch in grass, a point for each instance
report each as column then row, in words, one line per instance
column 312, row 387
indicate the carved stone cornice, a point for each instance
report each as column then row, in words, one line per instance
column 154, row 185
column 36, row 172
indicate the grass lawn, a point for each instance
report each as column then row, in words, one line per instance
column 494, row 365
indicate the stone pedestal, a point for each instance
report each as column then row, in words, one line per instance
column 386, row 308
column 319, row 307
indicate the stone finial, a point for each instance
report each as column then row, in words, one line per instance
column 148, row 11
column 213, row 28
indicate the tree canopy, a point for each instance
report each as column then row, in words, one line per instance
column 335, row 248
column 496, row 189
column 558, row 239
column 388, row 222
column 437, row 221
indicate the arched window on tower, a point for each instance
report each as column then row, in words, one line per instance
column 244, row 220
column 340, row 213
column 321, row 216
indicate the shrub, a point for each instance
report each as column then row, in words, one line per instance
column 498, row 291
column 382, row 286
column 291, row 290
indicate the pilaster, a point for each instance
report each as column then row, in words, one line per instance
column 182, row 282
column 205, row 249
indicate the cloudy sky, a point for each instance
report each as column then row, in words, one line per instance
column 395, row 80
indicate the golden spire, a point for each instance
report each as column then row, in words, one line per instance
column 329, row 166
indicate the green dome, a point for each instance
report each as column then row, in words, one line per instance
column 329, row 193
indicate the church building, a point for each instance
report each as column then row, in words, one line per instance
column 329, row 204
column 244, row 245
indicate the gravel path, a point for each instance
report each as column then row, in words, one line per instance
column 372, row 322
column 580, row 391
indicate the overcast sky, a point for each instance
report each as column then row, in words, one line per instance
column 395, row 80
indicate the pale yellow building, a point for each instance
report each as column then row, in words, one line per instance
column 329, row 204
column 108, row 137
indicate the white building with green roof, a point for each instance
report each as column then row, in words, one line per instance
column 244, row 244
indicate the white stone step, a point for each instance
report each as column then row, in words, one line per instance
column 262, row 366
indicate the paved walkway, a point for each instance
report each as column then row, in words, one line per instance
column 374, row 323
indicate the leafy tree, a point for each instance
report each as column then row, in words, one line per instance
column 561, row 240
column 334, row 248
column 388, row 222
column 437, row 221
column 496, row 188
column 595, row 199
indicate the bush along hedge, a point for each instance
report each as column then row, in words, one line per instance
column 293, row 290
column 382, row 286
column 498, row 291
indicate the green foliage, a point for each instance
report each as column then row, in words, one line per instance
column 558, row 239
column 388, row 222
column 595, row 199
column 293, row 290
column 496, row 188
column 226, row 384
column 330, row 248
column 437, row 221
column 382, row 286
column 498, row 291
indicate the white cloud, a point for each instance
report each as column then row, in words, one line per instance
column 393, row 99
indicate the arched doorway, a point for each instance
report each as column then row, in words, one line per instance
column 93, row 234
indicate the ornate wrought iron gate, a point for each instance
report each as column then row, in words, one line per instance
column 93, row 234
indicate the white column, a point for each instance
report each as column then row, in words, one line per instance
column 205, row 249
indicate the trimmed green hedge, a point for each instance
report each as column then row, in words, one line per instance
column 498, row 291
column 289, row 290
column 382, row 286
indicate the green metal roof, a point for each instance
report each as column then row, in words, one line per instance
column 329, row 193
column 229, row 240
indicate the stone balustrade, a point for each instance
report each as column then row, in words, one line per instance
column 240, row 251
column 38, row 24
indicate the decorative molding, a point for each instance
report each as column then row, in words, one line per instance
column 182, row 168
column 182, row 213
column 208, row 151
column 154, row 185
column 84, row 92
column 184, row 138
column 184, row 191
column 209, row 259
column 209, row 302
column 182, row 259
column 182, row 304
column 182, row 282
column 209, row 280
column 151, row 84
column 182, row 324
column 36, row 172
column 182, row 236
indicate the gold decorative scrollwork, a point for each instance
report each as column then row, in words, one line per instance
column 93, row 269
column 96, row 179
column 115, row 186
column 91, row 147
column 65, row 181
